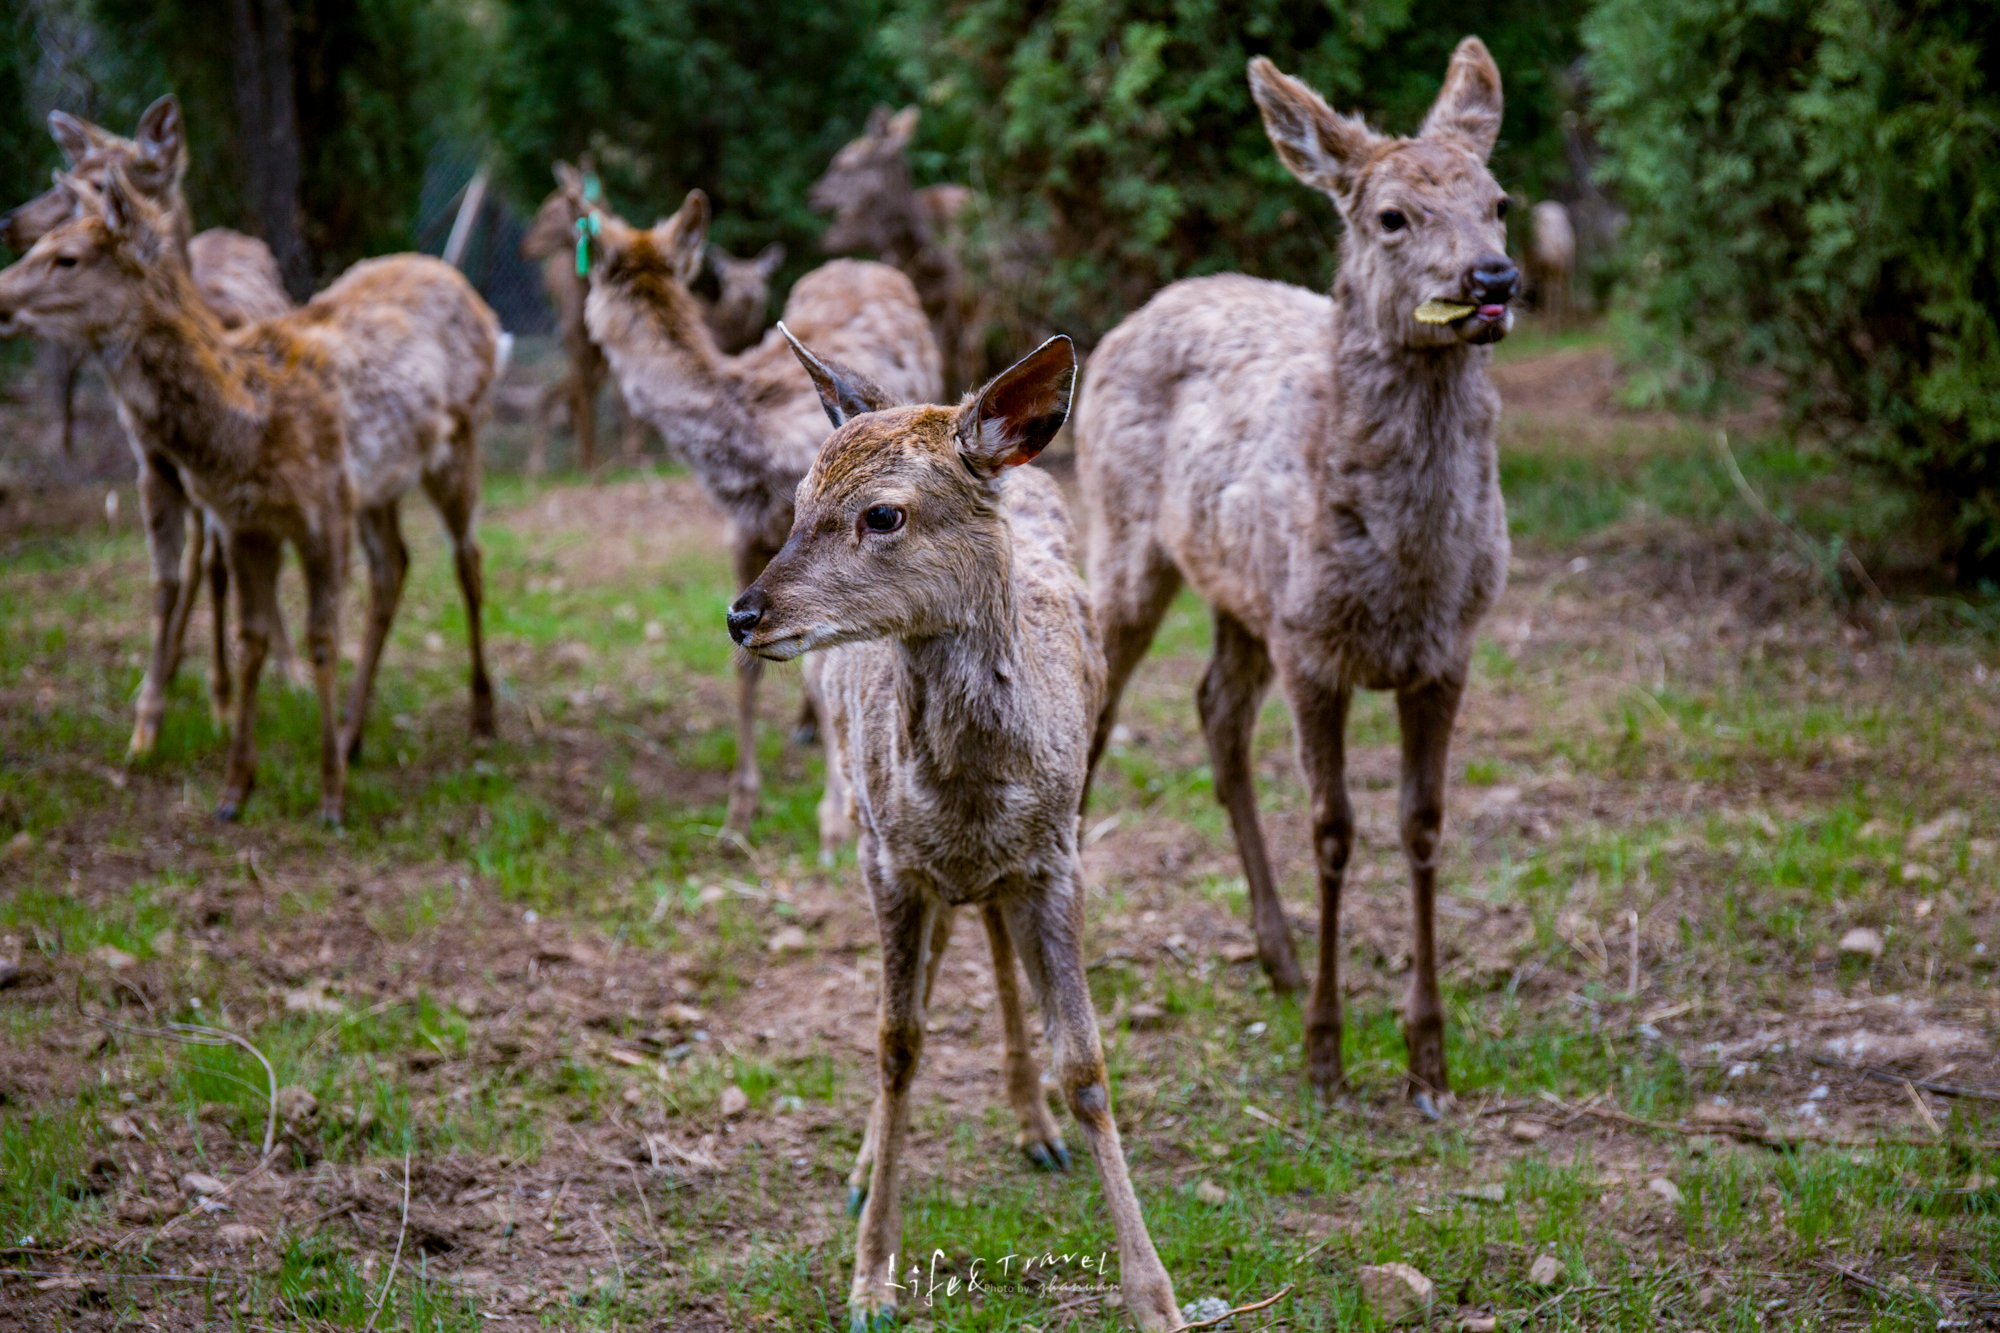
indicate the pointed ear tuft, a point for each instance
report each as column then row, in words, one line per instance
column 686, row 237
column 1014, row 417
column 903, row 124
column 844, row 393
column 1467, row 110
column 770, row 258
column 161, row 136
column 1322, row 148
column 71, row 135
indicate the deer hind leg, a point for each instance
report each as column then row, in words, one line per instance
column 1133, row 589
column 326, row 579
column 909, row 921
column 215, row 555
column 1426, row 714
column 546, row 403
column 1321, row 718
column 388, row 562
column 456, row 495
column 588, row 373
column 1039, row 1139
column 168, row 513
column 1045, row 926
column 1237, row 677
column 253, row 569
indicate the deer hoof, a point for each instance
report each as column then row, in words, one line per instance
column 1427, row 1107
column 861, row 1319
column 1052, row 1156
column 857, row 1195
column 329, row 814
column 228, row 808
column 806, row 733
column 144, row 737
column 482, row 719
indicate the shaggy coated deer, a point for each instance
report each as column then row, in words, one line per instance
column 287, row 430
column 960, row 677
column 877, row 209
column 1323, row 472
column 237, row 277
column 747, row 425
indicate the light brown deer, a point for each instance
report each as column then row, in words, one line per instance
column 961, row 677
column 285, row 431
column 1323, row 473
column 238, row 278
column 551, row 238
column 749, row 425
column 877, row 209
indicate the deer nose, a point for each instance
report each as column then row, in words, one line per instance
column 1494, row 279
column 747, row 612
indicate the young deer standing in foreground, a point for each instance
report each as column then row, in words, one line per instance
column 747, row 425
column 960, row 677
column 1323, row 472
column 237, row 278
column 286, row 431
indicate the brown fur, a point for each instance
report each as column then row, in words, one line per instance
column 1323, row 472
column 1551, row 266
column 961, row 677
column 552, row 240
column 736, row 316
column 747, row 425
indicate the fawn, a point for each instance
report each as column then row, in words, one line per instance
column 960, row 676
column 736, row 316
column 1323, row 472
column 286, row 431
column 877, row 208
column 237, row 277
column 747, row 425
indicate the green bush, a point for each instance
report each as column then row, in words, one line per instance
column 1815, row 193
column 1120, row 134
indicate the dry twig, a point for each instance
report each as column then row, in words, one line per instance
column 402, row 1231
column 1254, row 1306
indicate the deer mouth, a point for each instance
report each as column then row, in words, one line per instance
column 782, row 647
column 1485, row 324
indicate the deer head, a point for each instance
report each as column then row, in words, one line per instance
column 671, row 250
column 867, row 185
column 745, row 283
column 155, row 159
column 86, row 277
column 898, row 517
column 1425, row 218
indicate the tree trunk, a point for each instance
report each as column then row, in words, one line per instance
column 268, row 118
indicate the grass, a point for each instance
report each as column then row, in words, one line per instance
column 538, row 967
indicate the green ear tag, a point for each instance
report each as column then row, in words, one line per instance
column 587, row 226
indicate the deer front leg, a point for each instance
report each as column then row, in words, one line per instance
column 1321, row 717
column 864, row 1161
column 326, row 578
column 253, row 569
column 1426, row 714
column 167, row 512
column 388, row 563
column 1045, row 925
column 745, row 786
column 1039, row 1138
column 907, row 917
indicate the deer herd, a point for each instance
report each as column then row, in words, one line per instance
column 1321, row 469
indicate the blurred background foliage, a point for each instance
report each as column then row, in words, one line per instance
column 1801, row 194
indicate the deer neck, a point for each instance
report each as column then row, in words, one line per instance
column 181, row 387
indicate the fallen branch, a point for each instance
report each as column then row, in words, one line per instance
column 1881, row 1075
column 1253, row 1307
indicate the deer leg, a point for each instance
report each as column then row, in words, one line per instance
column 1230, row 693
column 388, row 562
column 1129, row 610
column 59, row 364
column 253, row 569
column 836, row 802
column 284, row 661
column 538, row 439
column 907, row 917
column 325, row 565
column 215, row 555
column 583, row 406
column 1321, row 717
column 166, row 510
column 746, row 785
column 1039, row 1138
column 1046, row 928
column 1426, row 714
column 456, row 495
column 864, row 1161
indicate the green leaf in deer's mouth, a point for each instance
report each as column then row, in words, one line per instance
column 1443, row 312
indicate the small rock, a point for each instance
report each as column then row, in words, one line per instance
column 1527, row 1131
column 312, row 999
column 1396, row 1293
column 194, row 1182
column 1478, row 1323
column 1666, row 1189
column 682, row 1015
column 238, row 1235
column 124, row 1127
column 1944, row 826
column 786, row 939
column 1546, row 1271
column 1484, row 1193
column 1211, row 1193
column 1862, row 941
column 112, row 957
column 735, row 1102
column 297, row 1106
column 1205, row 1309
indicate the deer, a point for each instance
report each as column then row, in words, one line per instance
column 931, row 575
column 736, row 316
column 292, row 430
column 748, row 426
column 877, row 209
column 238, row 279
column 1322, row 471
column 1551, row 259
column 551, row 239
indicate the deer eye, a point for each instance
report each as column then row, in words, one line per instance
column 882, row 518
column 1500, row 209
column 1391, row 220
column 65, row 261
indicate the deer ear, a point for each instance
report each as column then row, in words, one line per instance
column 161, row 136
column 904, row 123
column 1467, row 110
column 71, row 135
column 687, row 237
column 568, row 178
column 843, row 392
column 770, row 258
column 878, row 122
column 1322, row 148
column 1014, row 417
